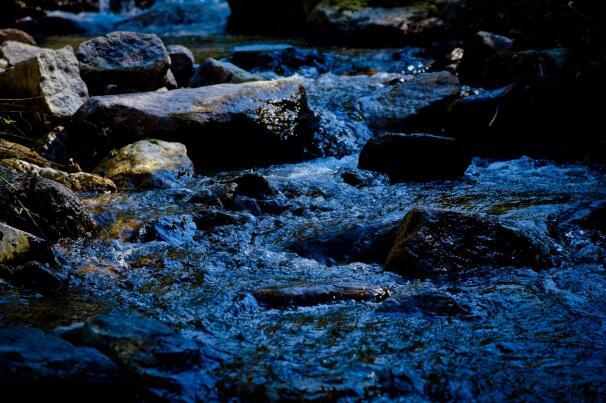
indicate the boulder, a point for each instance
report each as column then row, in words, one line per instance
column 417, row 157
column 51, row 82
column 42, row 207
column 282, row 59
column 36, row 366
column 16, row 52
column 11, row 34
column 148, row 164
column 213, row 71
column 181, row 63
column 42, row 277
column 253, row 185
column 294, row 296
column 434, row 241
column 364, row 23
column 17, row 246
column 9, row 150
column 126, row 59
column 269, row 16
column 77, row 181
column 223, row 125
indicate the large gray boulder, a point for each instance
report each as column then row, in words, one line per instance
column 49, row 80
column 129, row 60
column 221, row 125
column 148, row 164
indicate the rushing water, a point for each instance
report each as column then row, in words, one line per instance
column 519, row 334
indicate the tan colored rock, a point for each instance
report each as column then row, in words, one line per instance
column 17, row 246
column 10, row 150
column 11, row 34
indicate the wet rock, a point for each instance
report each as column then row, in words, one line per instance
column 426, row 302
column 16, row 52
column 42, row 207
column 213, row 71
column 363, row 23
column 418, row 157
column 147, row 164
column 356, row 179
column 51, row 81
column 38, row 276
column 433, row 241
column 126, row 59
column 288, row 297
column 9, row 150
column 222, row 126
column 181, row 63
column 585, row 216
column 11, row 34
column 284, row 60
column 17, row 246
column 35, row 365
column 253, row 185
column 78, row 181
column 150, row 352
column 174, row 230
column 212, row 218
column 272, row 16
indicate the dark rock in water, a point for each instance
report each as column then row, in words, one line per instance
column 127, row 59
column 18, row 246
column 38, row 276
column 356, row 179
column 428, row 303
column 151, row 353
column 181, row 63
column 213, row 71
column 49, row 81
column 208, row 219
column 175, row 230
column 225, row 125
column 284, row 60
column 147, row 164
column 11, row 34
column 273, row 16
column 287, row 297
column 42, row 207
column 38, row 366
column 418, row 157
column 253, row 185
column 586, row 216
column 433, row 241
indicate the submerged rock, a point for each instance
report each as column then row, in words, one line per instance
column 35, row 365
column 429, row 303
column 42, row 207
column 418, row 157
column 50, row 80
column 147, row 164
column 11, row 34
column 129, row 60
column 282, row 59
column 433, row 241
column 77, row 181
column 213, row 71
column 175, row 230
column 181, row 63
column 286, row 297
column 223, row 125
column 17, row 246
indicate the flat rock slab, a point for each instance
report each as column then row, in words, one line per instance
column 222, row 126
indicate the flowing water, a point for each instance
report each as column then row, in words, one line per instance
column 517, row 333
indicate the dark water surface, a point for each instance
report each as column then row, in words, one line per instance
column 519, row 333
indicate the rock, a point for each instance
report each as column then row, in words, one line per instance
column 433, row 241
column 288, row 297
column 126, row 59
column 53, row 146
column 153, row 355
column 9, row 150
column 174, row 230
column 148, row 164
column 227, row 125
column 426, row 302
column 282, row 59
column 418, row 157
column 37, row 366
column 253, row 185
column 212, row 218
column 213, row 71
column 356, row 179
column 78, row 182
column 273, row 16
column 38, row 276
column 181, row 63
column 17, row 246
column 493, row 42
column 51, row 80
column 11, row 34
column 585, row 216
column 16, row 52
column 42, row 207
column 362, row 23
